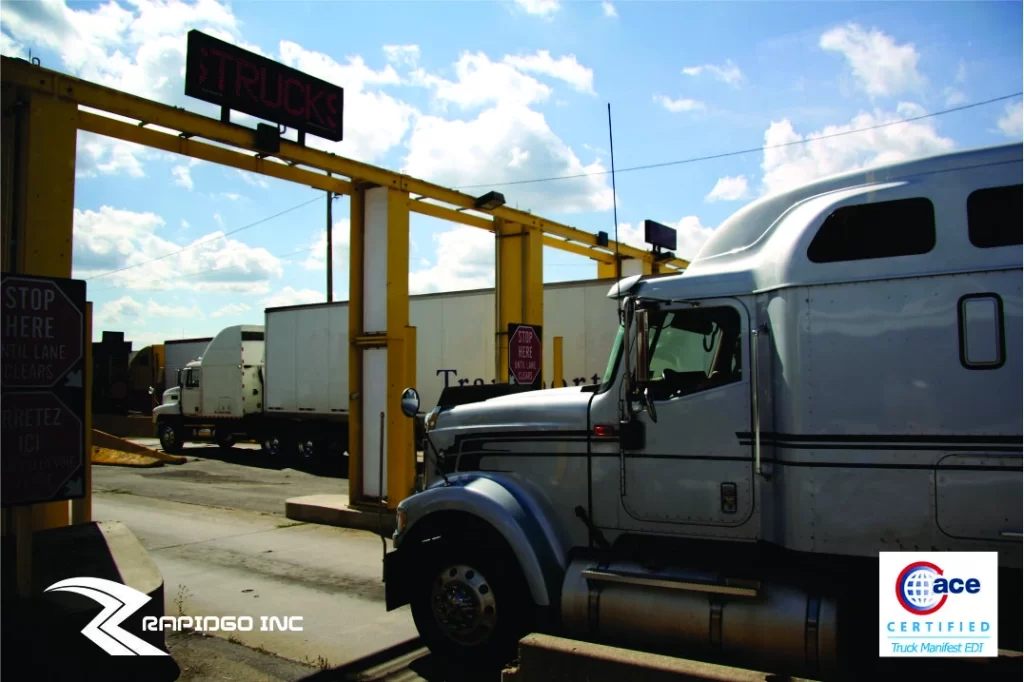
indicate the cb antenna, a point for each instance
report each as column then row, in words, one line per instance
column 615, row 204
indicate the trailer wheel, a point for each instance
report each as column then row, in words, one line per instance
column 312, row 448
column 226, row 442
column 471, row 603
column 170, row 437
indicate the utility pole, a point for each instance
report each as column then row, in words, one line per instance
column 330, row 250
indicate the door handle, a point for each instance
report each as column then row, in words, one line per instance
column 754, row 336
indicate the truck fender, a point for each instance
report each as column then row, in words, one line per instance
column 510, row 508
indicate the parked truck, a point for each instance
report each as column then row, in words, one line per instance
column 838, row 373
column 178, row 353
column 289, row 386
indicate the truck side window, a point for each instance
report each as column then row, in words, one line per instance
column 694, row 350
column 905, row 227
column 192, row 378
column 994, row 216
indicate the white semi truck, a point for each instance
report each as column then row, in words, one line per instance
column 285, row 383
column 837, row 374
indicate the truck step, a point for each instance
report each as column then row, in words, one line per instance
column 675, row 580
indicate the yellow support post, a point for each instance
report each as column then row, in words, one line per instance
column 519, row 284
column 558, row 376
column 607, row 271
column 39, row 200
column 399, row 453
column 357, row 213
column 81, row 510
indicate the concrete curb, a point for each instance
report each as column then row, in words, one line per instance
column 545, row 657
column 334, row 510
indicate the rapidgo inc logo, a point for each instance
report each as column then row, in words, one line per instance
column 945, row 604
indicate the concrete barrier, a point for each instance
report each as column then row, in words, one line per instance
column 101, row 439
column 334, row 510
column 545, row 658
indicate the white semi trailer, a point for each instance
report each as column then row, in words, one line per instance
column 285, row 383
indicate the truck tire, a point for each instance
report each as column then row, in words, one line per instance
column 471, row 603
column 226, row 442
column 170, row 437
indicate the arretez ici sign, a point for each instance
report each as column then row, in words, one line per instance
column 224, row 74
column 43, row 371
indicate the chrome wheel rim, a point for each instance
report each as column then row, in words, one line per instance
column 167, row 437
column 463, row 604
column 272, row 446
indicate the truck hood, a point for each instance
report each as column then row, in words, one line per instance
column 555, row 409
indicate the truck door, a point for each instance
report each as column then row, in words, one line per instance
column 696, row 465
column 191, row 391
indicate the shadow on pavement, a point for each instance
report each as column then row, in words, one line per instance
column 336, row 467
column 406, row 661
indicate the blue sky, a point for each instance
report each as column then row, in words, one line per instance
column 467, row 93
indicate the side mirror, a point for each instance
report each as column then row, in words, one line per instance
column 642, row 347
column 152, row 390
column 410, row 402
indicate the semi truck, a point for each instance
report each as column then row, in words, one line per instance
column 285, row 383
column 177, row 354
column 838, row 373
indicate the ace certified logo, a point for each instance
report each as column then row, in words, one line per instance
column 938, row 604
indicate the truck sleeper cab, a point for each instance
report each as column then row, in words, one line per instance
column 838, row 373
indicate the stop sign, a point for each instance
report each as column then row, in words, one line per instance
column 43, row 332
column 524, row 354
column 41, row 440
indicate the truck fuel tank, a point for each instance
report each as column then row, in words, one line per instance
column 772, row 627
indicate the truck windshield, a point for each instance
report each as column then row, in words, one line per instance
column 613, row 360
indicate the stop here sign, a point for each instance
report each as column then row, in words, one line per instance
column 43, row 334
column 524, row 354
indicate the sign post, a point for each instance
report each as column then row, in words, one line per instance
column 42, row 418
column 524, row 354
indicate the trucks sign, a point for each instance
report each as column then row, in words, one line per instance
column 524, row 354
column 43, row 369
column 225, row 74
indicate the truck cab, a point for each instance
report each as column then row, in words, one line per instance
column 837, row 374
column 217, row 393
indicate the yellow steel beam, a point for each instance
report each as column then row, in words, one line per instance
column 102, row 125
column 450, row 214
column 129, row 106
column 519, row 290
column 572, row 247
column 400, row 453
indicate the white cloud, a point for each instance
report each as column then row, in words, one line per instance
column 110, row 239
column 159, row 310
column 541, row 8
column 609, row 9
column 219, row 220
column 954, row 97
column 98, row 155
column 463, row 259
column 880, row 65
column 728, row 189
column 506, row 143
column 10, row 47
column 728, row 73
column 230, row 310
column 289, row 296
column 182, row 176
column 252, row 179
column 403, row 55
column 374, row 122
column 184, row 224
column 565, row 68
column 480, row 82
column 690, row 235
column 1010, row 123
column 679, row 105
column 794, row 165
column 961, row 72
column 340, row 233
column 123, row 309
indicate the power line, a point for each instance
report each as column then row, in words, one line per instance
column 205, row 241
column 751, row 150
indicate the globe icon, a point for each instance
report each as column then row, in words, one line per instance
column 917, row 589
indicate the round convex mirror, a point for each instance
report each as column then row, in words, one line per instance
column 410, row 402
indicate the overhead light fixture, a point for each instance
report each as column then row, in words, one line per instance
column 602, row 239
column 490, row 201
column 268, row 138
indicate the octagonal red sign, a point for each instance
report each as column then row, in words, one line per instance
column 41, row 442
column 524, row 354
column 43, row 333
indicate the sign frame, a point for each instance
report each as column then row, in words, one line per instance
column 513, row 329
column 210, row 59
column 65, row 391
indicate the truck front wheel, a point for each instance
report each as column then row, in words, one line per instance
column 472, row 604
column 170, row 437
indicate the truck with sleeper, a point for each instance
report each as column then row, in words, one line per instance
column 838, row 373
column 285, row 383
